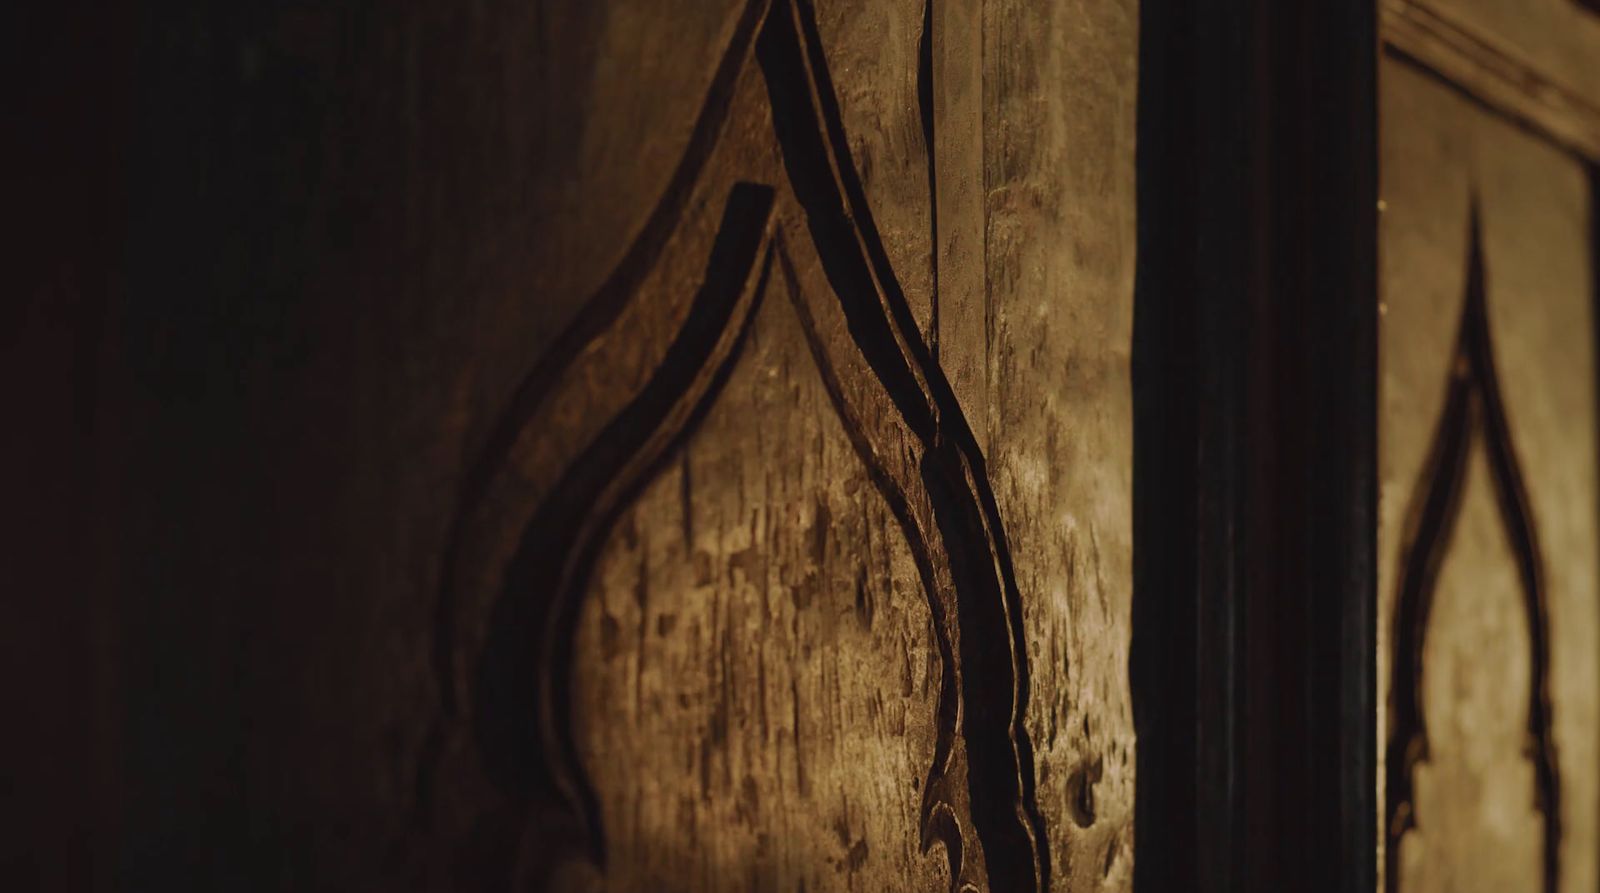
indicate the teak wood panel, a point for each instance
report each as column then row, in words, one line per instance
column 800, row 559
column 1558, row 38
column 1489, row 598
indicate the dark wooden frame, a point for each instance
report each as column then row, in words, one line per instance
column 1255, row 447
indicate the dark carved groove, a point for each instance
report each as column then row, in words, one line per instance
column 1473, row 406
column 993, row 658
column 523, row 684
column 937, row 822
column 596, row 314
column 1432, row 522
column 925, row 108
column 522, row 696
column 1512, row 495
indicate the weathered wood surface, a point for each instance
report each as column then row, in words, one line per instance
column 1559, row 39
column 1491, row 521
column 1027, row 774
column 1540, row 90
column 615, row 451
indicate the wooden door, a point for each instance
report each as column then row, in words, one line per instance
column 1489, row 582
column 622, row 445
column 790, row 445
column 798, row 557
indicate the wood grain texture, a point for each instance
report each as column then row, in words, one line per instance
column 1472, row 424
column 628, row 444
column 1478, row 787
column 1532, row 88
column 531, row 799
column 1476, row 695
column 1556, row 39
column 1059, row 117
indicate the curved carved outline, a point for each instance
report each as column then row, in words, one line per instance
column 938, row 818
column 1473, row 406
column 598, row 312
column 925, row 112
column 522, row 709
column 523, row 684
column 992, row 662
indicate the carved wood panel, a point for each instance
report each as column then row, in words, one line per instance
column 1488, row 596
column 799, row 559
column 1555, row 39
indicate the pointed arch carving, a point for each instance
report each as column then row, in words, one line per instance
column 1473, row 409
column 508, row 680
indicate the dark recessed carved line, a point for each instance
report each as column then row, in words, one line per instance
column 596, row 314
column 522, row 686
column 994, row 671
column 925, row 106
column 523, row 704
column 1433, row 517
column 1512, row 497
column 822, row 111
column 809, row 165
column 847, row 195
column 1473, row 406
column 935, row 824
